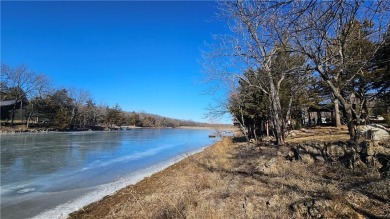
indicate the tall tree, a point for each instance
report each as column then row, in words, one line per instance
column 381, row 68
column 57, row 108
column 79, row 97
column 258, row 39
column 115, row 116
column 333, row 36
column 249, row 107
column 134, row 119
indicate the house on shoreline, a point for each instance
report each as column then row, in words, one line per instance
column 8, row 107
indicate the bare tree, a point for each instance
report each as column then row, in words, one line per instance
column 44, row 86
column 259, row 37
column 80, row 98
column 339, row 38
column 25, row 84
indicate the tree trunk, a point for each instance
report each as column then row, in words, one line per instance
column 348, row 113
column 13, row 113
column 319, row 118
column 288, row 115
column 254, row 133
column 276, row 115
column 243, row 127
column 350, row 123
column 29, row 115
column 337, row 113
column 72, row 118
column 13, row 117
column 28, row 119
column 347, row 110
column 21, row 111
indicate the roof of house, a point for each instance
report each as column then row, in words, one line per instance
column 8, row 102
column 321, row 108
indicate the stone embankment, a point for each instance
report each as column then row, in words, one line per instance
column 368, row 153
column 367, row 157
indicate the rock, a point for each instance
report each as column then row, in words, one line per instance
column 269, row 167
column 290, row 155
column 374, row 132
column 307, row 158
column 335, row 150
column 294, row 154
column 378, row 126
column 270, row 162
column 385, row 165
column 319, row 158
column 313, row 150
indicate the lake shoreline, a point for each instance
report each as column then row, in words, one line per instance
column 233, row 179
column 101, row 191
column 65, row 166
column 14, row 130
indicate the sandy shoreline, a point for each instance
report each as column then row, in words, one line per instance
column 99, row 192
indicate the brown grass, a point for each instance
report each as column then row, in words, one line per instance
column 235, row 180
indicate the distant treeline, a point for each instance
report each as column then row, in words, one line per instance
column 30, row 98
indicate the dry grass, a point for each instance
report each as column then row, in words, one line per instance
column 323, row 134
column 236, row 180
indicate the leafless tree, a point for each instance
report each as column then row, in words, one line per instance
column 259, row 35
column 25, row 84
column 339, row 38
column 79, row 97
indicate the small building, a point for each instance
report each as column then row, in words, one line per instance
column 8, row 107
column 320, row 114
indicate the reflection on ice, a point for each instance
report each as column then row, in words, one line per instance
column 38, row 166
column 26, row 190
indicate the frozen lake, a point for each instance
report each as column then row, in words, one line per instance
column 60, row 171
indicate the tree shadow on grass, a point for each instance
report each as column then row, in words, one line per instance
column 244, row 164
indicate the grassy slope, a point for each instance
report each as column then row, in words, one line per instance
column 234, row 180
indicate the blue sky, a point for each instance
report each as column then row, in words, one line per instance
column 142, row 55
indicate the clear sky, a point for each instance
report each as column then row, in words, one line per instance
column 142, row 55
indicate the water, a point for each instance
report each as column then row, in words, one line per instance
column 40, row 171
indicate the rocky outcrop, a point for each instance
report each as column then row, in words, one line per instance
column 268, row 166
column 319, row 151
column 369, row 153
column 374, row 132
